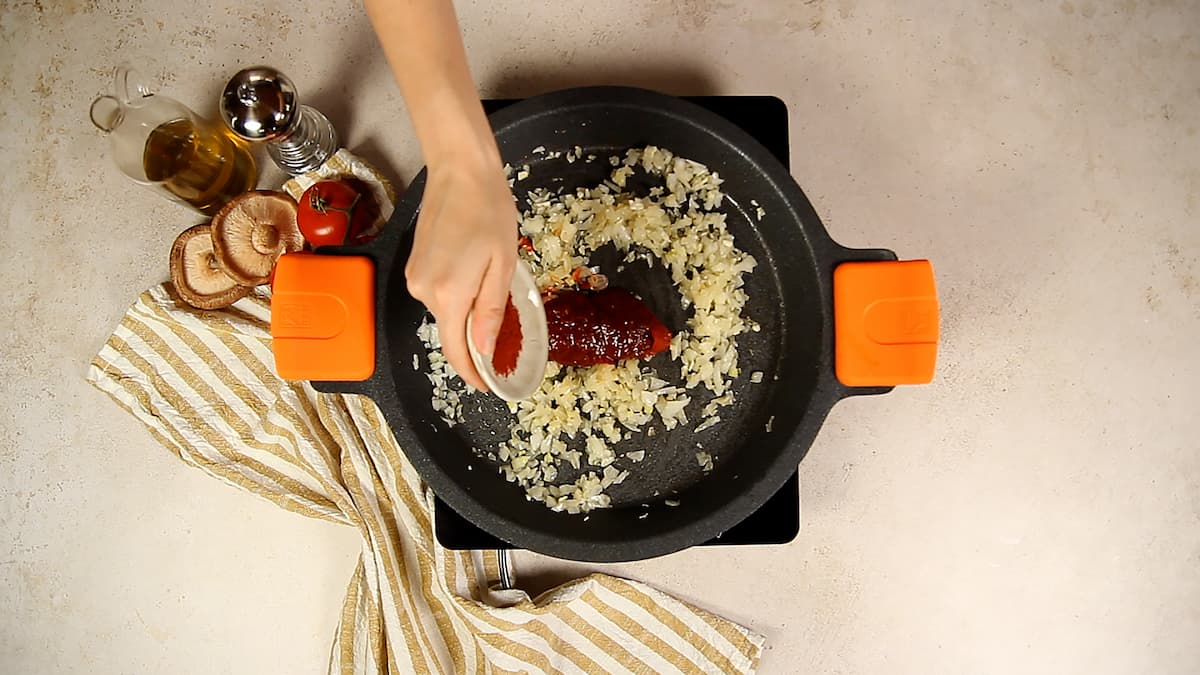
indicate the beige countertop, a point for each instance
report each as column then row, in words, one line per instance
column 1037, row 509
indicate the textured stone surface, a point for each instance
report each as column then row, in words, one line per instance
column 1035, row 510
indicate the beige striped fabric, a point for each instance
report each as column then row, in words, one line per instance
column 204, row 384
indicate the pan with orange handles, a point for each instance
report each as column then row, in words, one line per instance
column 835, row 322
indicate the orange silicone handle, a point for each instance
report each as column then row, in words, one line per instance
column 323, row 317
column 885, row 320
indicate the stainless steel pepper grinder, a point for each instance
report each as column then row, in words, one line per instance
column 260, row 104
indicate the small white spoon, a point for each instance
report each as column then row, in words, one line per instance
column 530, row 370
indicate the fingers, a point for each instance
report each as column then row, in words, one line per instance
column 490, row 303
column 462, row 260
column 448, row 299
column 452, row 328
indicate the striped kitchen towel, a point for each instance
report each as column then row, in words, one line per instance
column 204, row 384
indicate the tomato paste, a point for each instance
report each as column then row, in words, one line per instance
column 607, row 326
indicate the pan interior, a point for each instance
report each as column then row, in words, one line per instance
column 785, row 298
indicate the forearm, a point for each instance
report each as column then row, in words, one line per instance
column 422, row 43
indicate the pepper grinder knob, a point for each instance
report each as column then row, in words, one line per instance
column 260, row 104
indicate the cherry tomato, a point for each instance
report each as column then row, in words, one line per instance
column 337, row 212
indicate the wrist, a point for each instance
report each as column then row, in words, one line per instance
column 453, row 130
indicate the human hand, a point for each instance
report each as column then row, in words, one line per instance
column 464, row 253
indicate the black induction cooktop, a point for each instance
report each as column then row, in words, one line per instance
column 778, row 520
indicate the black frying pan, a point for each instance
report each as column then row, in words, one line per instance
column 791, row 296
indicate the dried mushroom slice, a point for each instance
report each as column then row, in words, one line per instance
column 251, row 232
column 197, row 274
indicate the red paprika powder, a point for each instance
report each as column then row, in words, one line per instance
column 508, row 341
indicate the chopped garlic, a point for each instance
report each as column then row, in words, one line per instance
column 578, row 414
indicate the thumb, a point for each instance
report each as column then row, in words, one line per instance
column 488, row 312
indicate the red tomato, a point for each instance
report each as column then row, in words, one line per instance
column 337, row 212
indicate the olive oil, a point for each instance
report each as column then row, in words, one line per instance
column 200, row 165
